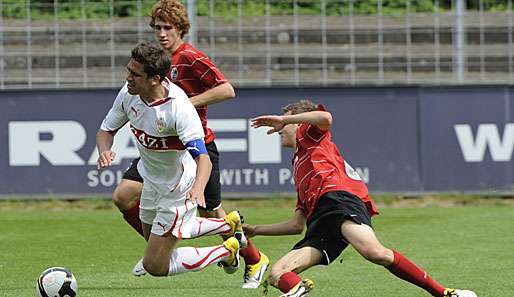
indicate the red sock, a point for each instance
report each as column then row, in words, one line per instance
column 406, row 270
column 250, row 254
column 132, row 217
column 287, row 281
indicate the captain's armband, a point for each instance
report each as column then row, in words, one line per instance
column 196, row 148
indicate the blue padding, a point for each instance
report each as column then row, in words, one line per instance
column 196, row 148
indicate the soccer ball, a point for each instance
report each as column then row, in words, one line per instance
column 56, row 282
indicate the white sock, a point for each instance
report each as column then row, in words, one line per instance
column 208, row 226
column 187, row 259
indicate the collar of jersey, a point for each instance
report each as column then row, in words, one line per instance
column 166, row 84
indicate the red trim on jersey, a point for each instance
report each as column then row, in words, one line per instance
column 159, row 102
column 166, row 84
column 113, row 132
column 319, row 168
column 195, row 73
column 157, row 143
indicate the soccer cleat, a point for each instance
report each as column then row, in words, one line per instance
column 255, row 272
column 458, row 293
column 300, row 290
column 235, row 221
column 232, row 263
column 138, row 269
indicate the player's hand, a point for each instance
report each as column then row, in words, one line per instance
column 105, row 159
column 196, row 196
column 277, row 123
column 249, row 230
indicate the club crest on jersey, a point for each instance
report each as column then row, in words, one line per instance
column 174, row 73
column 160, row 124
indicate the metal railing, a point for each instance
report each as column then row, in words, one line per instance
column 291, row 47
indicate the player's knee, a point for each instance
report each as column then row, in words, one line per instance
column 376, row 254
column 155, row 268
column 118, row 200
column 275, row 274
column 124, row 199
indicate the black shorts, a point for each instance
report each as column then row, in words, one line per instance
column 212, row 189
column 131, row 173
column 324, row 227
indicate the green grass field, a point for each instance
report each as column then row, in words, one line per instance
column 465, row 246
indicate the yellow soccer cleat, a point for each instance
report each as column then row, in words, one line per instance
column 232, row 262
column 235, row 221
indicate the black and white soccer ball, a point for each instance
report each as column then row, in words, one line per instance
column 56, row 282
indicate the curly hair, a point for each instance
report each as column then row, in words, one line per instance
column 300, row 107
column 173, row 12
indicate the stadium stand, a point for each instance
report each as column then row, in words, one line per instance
column 269, row 51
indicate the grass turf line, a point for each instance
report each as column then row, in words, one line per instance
column 460, row 246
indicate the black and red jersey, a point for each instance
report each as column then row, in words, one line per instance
column 194, row 73
column 319, row 168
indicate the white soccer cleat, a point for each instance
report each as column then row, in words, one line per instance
column 459, row 293
column 300, row 290
column 254, row 273
column 138, row 269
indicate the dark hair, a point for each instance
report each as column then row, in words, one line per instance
column 154, row 58
column 173, row 12
column 300, row 107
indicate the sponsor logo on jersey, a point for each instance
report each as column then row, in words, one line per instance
column 156, row 142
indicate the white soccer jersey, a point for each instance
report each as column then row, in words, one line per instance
column 161, row 129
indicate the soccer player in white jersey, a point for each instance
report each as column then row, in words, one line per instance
column 205, row 85
column 174, row 165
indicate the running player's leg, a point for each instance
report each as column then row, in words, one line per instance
column 178, row 219
column 126, row 196
column 184, row 259
column 164, row 225
column 256, row 262
column 321, row 245
column 284, row 273
column 363, row 239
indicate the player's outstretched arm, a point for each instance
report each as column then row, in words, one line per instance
column 104, row 140
column 321, row 119
column 217, row 94
column 292, row 226
column 276, row 122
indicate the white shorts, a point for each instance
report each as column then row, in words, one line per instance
column 168, row 214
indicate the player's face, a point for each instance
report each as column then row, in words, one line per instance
column 167, row 35
column 137, row 79
column 288, row 134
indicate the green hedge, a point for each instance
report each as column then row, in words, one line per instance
column 228, row 9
